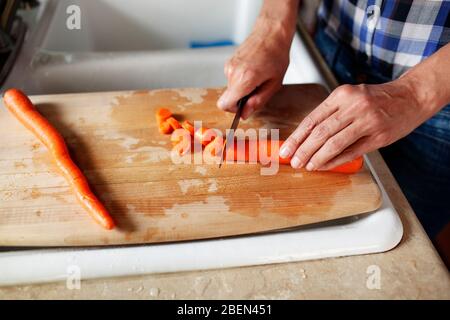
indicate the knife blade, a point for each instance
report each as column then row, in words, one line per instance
column 230, row 135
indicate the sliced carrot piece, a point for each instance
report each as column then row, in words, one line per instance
column 165, row 128
column 188, row 126
column 205, row 135
column 173, row 123
column 214, row 148
column 162, row 115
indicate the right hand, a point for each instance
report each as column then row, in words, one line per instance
column 259, row 63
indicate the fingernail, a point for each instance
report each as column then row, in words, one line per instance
column 295, row 162
column 284, row 152
column 223, row 101
column 310, row 166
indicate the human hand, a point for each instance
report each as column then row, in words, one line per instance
column 352, row 121
column 259, row 63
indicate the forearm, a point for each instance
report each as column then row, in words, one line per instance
column 430, row 81
column 261, row 61
column 278, row 19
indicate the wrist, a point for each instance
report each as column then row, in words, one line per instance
column 422, row 92
column 277, row 20
column 429, row 80
column 275, row 31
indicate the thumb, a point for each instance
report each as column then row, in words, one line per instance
column 240, row 85
column 260, row 97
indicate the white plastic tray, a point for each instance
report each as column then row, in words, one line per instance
column 374, row 232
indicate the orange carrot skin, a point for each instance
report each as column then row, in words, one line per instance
column 265, row 148
column 205, row 135
column 165, row 128
column 189, row 127
column 23, row 109
column 173, row 123
column 349, row 167
column 167, row 124
column 162, row 114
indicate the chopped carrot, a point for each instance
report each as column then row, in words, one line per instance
column 182, row 141
column 214, row 148
column 162, row 115
column 23, row 109
column 165, row 128
column 213, row 144
column 205, row 135
column 173, row 123
column 167, row 124
column 188, row 126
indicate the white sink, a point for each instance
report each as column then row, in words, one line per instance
column 127, row 45
column 136, row 25
column 147, row 45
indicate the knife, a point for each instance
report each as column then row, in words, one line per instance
column 240, row 106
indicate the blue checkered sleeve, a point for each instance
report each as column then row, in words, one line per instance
column 394, row 34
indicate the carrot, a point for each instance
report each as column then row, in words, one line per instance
column 264, row 148
column 165, row 128
column 174, row 124
column 23, row 109
column 349, row 167
column 213, row 145
column 204, row 135
column 167, row 124
column 214, row 148
column 188, row 126
column 162, row 115
column 182, row 141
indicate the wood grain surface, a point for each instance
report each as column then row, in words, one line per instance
column 115, row 140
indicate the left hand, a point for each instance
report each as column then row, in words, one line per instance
column 354, row 120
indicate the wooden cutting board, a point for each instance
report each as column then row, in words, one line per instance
column 115, row 140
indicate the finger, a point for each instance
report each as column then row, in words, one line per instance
column 334, row 146
column 227, row 69
column 360, row 147
column 323, row 111
column 240, row 84
column 260, row 97
column 318, row 137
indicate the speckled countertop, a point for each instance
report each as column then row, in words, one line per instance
column 413, row 270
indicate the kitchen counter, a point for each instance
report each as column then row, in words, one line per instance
column 412, row 270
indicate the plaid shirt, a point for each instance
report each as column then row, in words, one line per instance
column 395, row 35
